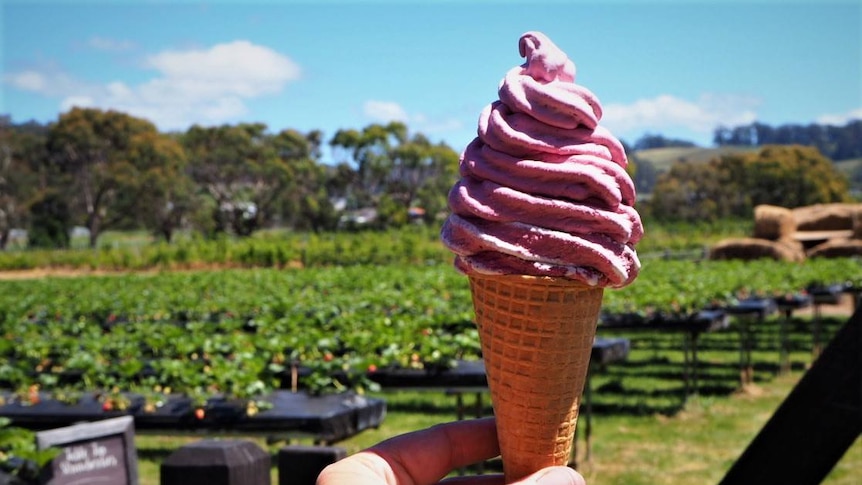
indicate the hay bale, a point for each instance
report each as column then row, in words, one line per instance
column 792, row 244
column 825, row 217
column 857, row 222
column 837, row 248
column 748, row 249
column 773, row 222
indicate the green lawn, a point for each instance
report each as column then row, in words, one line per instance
column 644, row 429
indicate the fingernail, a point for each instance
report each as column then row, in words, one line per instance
column 559, row 475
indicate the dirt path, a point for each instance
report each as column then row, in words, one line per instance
column 36, row 273
column 31, row 274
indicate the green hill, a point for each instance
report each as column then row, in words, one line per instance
column 663, row 158
column 849, row 167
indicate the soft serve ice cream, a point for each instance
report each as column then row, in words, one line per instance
column 543, row 189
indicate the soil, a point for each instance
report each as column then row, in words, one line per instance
column 36, row 273
column 31, row 274
column 65, row 272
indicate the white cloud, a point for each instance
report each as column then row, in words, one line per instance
column 240, row 68
column 668, row 113
column 47, row 82
column 386, row 111
column 840, row 119
column 110, row 45
column 77, row 102
column 205, row 86
column 27, row 81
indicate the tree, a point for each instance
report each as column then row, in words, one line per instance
column 650, row 140
column 370, row 153
column 834, row 142
column 95, row 151
column 305, row 204
column 792, row 176
column 164, row 186
column 690, row 192
column 420, row 169
column 50, row 222
column 22, row 151
column 240, row 168
column 645, row 176
column 732, row 185
column 394, row 171
column 430, row 177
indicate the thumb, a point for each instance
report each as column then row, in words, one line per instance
column 555, row 475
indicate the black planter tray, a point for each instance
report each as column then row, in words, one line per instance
column 329, row 418
column 759, row 307
column 471, row 373
column 794, row 301
column 51, row 413
column 827, row 294
column 706, row 320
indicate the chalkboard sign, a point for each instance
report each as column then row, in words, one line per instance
column 97, row 453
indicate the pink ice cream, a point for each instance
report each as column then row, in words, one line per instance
column 543, row 188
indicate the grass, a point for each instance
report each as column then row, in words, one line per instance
column 644, row 429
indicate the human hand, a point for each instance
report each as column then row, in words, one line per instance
column 425, row 457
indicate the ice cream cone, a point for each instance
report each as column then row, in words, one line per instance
column 537, row 335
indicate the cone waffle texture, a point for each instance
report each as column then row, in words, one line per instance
column 537, row 335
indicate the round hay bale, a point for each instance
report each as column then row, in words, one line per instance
column 825, row 217
column 837, row 248
column 773, row 222
column 753, row 248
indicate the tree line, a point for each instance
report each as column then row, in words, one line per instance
column 109, row 170
column 835, row 142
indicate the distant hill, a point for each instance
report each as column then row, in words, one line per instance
column 663, row 158
column 848, row 167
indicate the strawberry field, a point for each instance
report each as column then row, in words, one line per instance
column 243, row 333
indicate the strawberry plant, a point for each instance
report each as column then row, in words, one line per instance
column 242, row 333
column 19, row 455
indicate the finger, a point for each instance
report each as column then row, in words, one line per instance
column 362, row 468
column 424, row 457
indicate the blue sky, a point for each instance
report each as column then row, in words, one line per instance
column 665, row 67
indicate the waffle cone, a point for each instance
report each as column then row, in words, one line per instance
column 537, row 335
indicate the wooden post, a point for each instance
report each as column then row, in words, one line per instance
column 817, row 422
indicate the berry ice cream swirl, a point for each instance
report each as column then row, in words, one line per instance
column 543, row 188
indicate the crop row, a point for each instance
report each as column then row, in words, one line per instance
column 280, row 248
column 244, row 332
